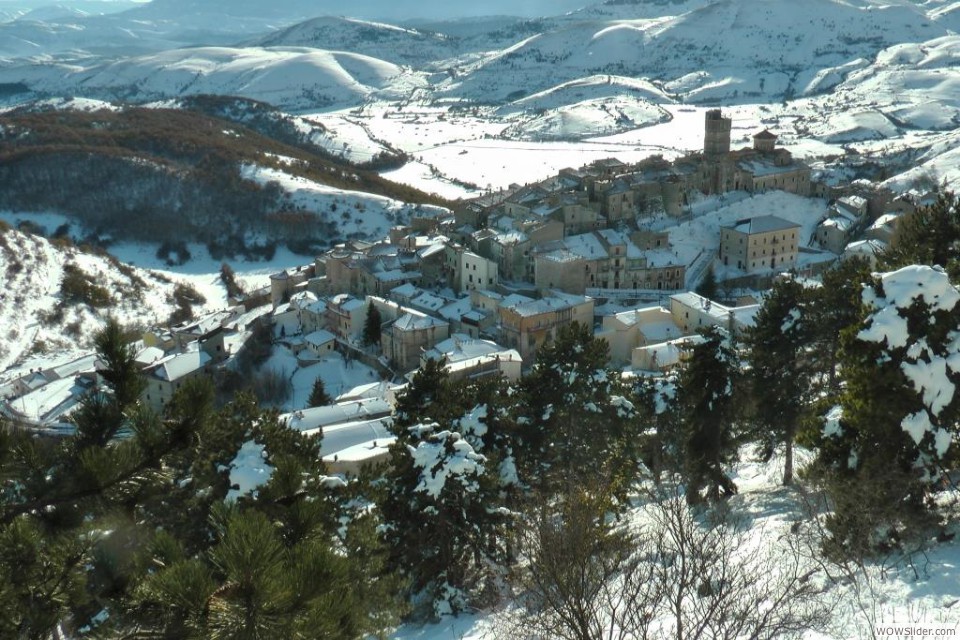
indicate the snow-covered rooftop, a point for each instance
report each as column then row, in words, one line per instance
column 427, row 300
column 762, row 224
column 178, row 365
column 557, row 301
column 396, row 275
column 408, row 290
column 319, row 338
column 742, row 315
column 886, row 220
column 455, row 310
column 353, row 411
column 149, row 355
column 362, row 451
column 460, row 347
column 341, row 437
column 373, row 390
column 414, row 321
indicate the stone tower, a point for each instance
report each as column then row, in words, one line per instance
column 716, row 141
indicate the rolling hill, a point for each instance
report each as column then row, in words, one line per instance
column 398, row 45
column 55, row 295
column 155, row 175
column 289, row 78
column 725, row 51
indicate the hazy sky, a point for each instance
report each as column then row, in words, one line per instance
column 391, row 7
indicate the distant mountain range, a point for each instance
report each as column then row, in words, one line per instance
column 717, row 51
column 870, row 68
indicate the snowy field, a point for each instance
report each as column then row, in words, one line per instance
column 461, row 155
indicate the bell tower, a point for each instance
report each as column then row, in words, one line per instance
column 716, row 140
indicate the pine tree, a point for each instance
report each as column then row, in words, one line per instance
column 779, row 376
column 663, row 446
column 930, row 236
column 138, row 528
column 120, row 370
column 577, row 417
column 447, row 489
column 708, row 286
column 708, row 410
column 884, row 445
column 318, row 394
column 833, row 307
column 371, row 326
column 426, row 399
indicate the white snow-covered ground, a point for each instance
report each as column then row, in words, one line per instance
column 32, row 269
column 701, row 234
column 355, row 212
column 451, row 150
column 338, row 375
column 770, row 511
column 203, row 271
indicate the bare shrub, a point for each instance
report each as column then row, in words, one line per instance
column 677, row 574
column 272, row 386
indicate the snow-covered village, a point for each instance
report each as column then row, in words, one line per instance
column 615, row 320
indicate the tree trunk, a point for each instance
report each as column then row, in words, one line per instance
column 788, row 457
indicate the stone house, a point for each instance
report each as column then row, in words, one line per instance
column 526, row 324
column 346, row 316
column 760, row 243
column 883, row 228
column 605, row 259
column 320, row 343
column 868, row 249
column 469, row 270
column 663, row 356
column 627, row 330
column 403, row 339
column 168, row 374
column 834, row 232
column 692, row 312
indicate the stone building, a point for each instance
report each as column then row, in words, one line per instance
column 527, row 324
column 605, row 259
column 760, row 243
column 404, row 339
column 716, row 138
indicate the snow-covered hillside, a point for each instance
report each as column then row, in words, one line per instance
column 35, row 313
column 768, row 513
column 352, row 213
column 285, row 77
column 901, row 109
column 726, row 50
column 370, row 9
column 395, row 44
column 588, row 107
